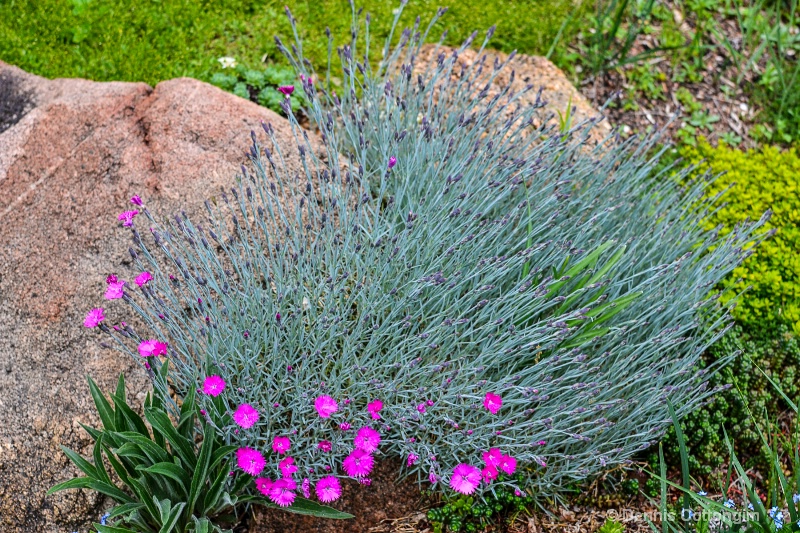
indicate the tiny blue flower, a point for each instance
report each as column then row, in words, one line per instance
column 104, row 518
column 729, row 504
column 750, row 506
column 796, row 498
column 702, row 493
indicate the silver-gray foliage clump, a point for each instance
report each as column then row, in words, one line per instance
column 494, row 257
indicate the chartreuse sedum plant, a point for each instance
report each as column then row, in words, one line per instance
column 405, row 295
column 161, row 478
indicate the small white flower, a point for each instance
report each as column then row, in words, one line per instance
column 796, row 498
column 227, row 62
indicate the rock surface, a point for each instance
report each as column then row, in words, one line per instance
column 558, row 94
column 72, row 152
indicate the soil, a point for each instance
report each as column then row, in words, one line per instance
column 717, row 91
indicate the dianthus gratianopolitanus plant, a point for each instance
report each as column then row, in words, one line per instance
column 444, row 283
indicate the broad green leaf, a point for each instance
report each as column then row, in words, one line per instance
column 155, row 453
column 222, row 453
column 169, row 523
column 121, row 470
column 85, row 466
column 112, row 529
column 124, row 509
column 144, row 497
column 201, row 469
column 170, row 470
column 214, row 492
column 134, row 421
column 182, row 446
column 103, row 406
column 186, row 423
column 584, row 337
column 100, row 468
column 300, row 506
column 94, row 433
column 111, row 491
column 201, row 525
column 74, row 483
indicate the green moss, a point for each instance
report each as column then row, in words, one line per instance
column 154, row 40
column 762, row 179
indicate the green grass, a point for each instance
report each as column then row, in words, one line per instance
column 154, row 40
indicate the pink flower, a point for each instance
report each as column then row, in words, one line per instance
column 432, row 477
column 374, row 408
column 358, row 464
column 135, row 200
column 143, row 278
column 250, row 460
column 127, row 217
column 245, row 416
column 306, row 488
column 489, row 473
column 213, row 385
column 367, row 439
column 412, row 459
column 328, row 489
column 392, row 162
column 93, row 318
column 263, row 484
column 421, row 408
column 493, row 457
column 114, row 290
column 111, row 278
column 508, row 464
column 281, row 445
column 152, row 348
column 345, row 426
column 286, row 90
column 282, row 492
column 492, row 402
column 540, row 462
column 325, row 445
column 325, row 406
column 287, row 467
column 465, row 479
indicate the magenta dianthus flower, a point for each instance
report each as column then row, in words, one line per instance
column 358, row 464
column 508, row 464
column 152, row 348
column 367, row 439
column 492, row 402
column 421, row 408
column 392, row 162
column 114, row 290
column 412, row 459
column 282, row 492
column 374, row 408
column 281, row 444
column 325, row 406
column 93, row 318
column 250, row 460
column 287, row 467
column 127, row 217
column 111, row 278
column 493, row 457
column 286, row 90
column 263, row 484
column 306, row 488
column 143, row 278
column 245, row 416
column 325, row 445
column 328, row 489
column 489, row 473
column 213, row 385
column 465, row 479
column 136, row 200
